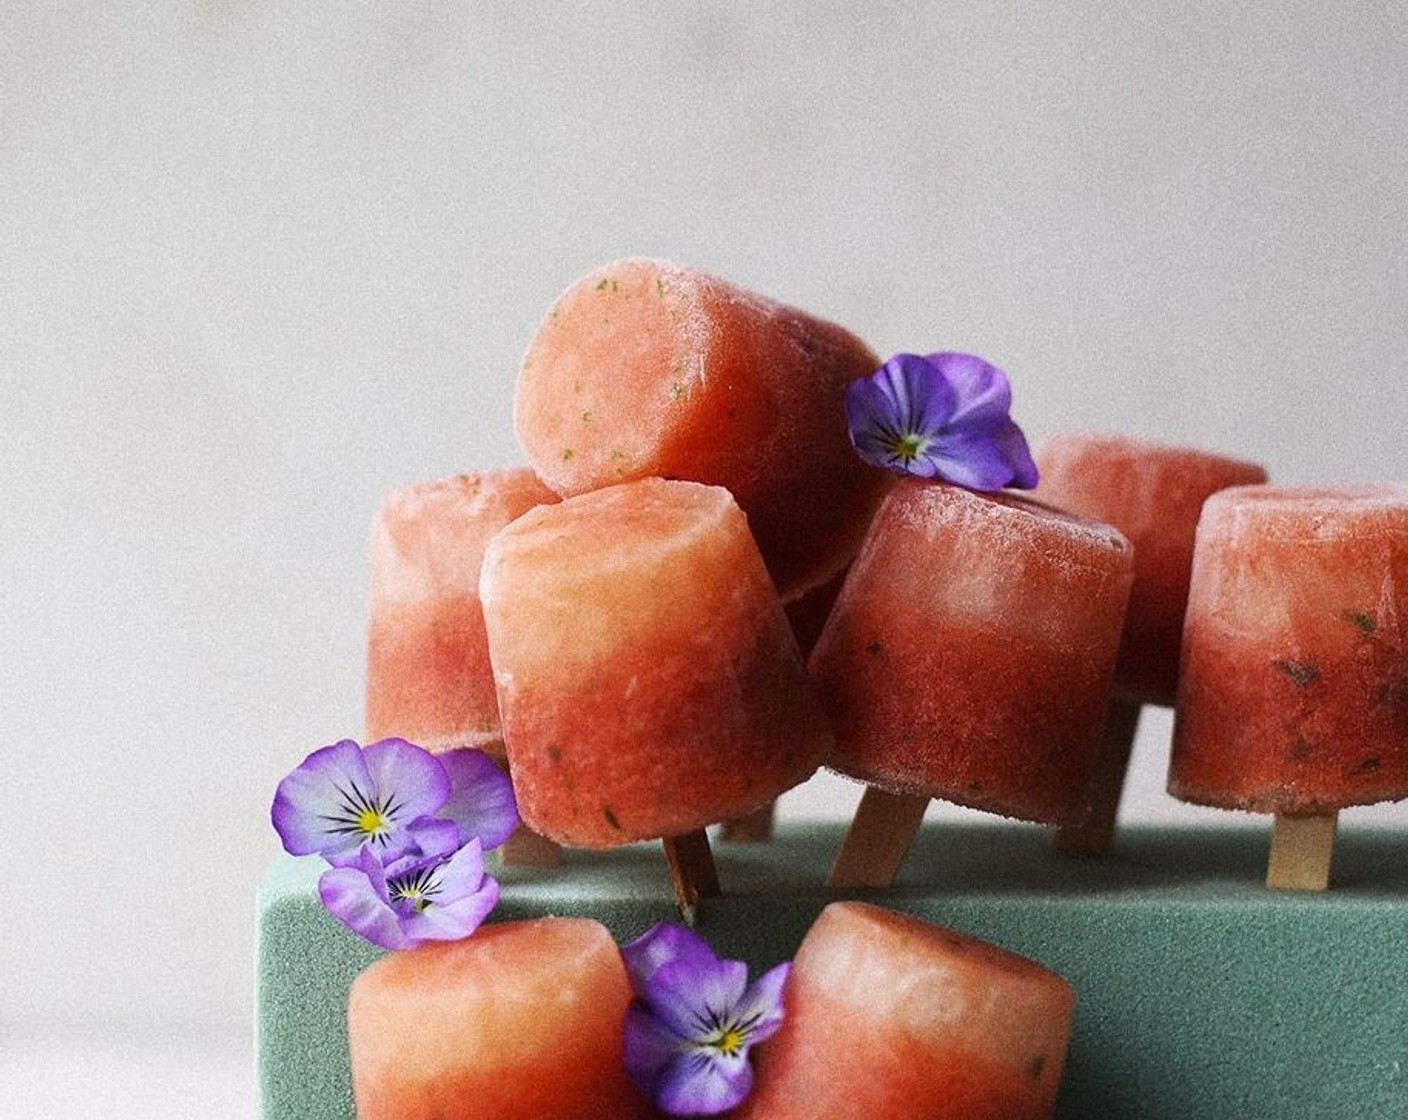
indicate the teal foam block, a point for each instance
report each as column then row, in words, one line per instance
column 1200, row 994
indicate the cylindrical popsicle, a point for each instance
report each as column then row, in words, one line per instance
column 888, row 1015
column 1293, row 693
column 644, row 368
column 1152, row 493
column 648, row 681
column 428, row 675
column 522, row 1020
column 969, row 654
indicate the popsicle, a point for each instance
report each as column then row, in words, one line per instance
column 523, row 1019
column 644, row 368
column 1293, row 693
column 648, row 681
column 428, row 677
column 428, row 674
column 969, row 657
column 888, row 1015
column 1152, row 493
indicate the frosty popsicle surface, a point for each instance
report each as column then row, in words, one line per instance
column 888, row 1015
column 644, row 368
column 1293, row 695
column 970, row 651
column 648, row 681
column 428, row 675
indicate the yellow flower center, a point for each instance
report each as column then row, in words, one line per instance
column 728, row 1040
column 370, row 821
column 907, row 446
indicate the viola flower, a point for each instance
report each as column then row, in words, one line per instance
column 343, row 796
column 694, row 1018
column 943, row 416
column 441, row 896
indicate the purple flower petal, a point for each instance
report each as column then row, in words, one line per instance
column 649, row 1047
column 691, row 1000
column 703, row 1083
column 412, row 779
column 433, row 837
column 982, row 390
column 971, row 459
column 356, row 897
column 661, row 944
column 481, row 797
column 1013, row 444
column 458, row 897
column 761, row 1007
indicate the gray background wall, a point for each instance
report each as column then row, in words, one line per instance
column 261, row 263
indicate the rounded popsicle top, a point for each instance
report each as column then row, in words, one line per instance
column 1002, row 521
column 429, row 537
column 886, row 1010
column 930, row 979
column 1309, row 512
column 580, row 560
column 645, row 368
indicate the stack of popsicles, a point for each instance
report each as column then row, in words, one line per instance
column 625, row 617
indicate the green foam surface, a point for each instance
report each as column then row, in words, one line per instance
column 1200, row 994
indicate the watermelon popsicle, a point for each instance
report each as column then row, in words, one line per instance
column 891, row 1015
column 645, row 368
column 969, row 657
column 1293, row 694
column 428, row 677
column 648, row 682
column 1152, row 493
column 521, row 1020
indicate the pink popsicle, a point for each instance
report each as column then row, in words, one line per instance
column 1293, row 697
column 428, row 673
column 647, row 678
column 969, row 657
column 645, row 368
column 521, row 1021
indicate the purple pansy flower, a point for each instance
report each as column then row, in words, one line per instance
column 405, row 832
column 942, row 416
column 343, row 796
column 689, row 1029
column 412, row 900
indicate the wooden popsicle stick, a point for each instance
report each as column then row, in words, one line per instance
column 526, row 848
column 878, row 839
column 692, row 872
column 1302, row 848
column 751, row 828
column 1094, row 833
